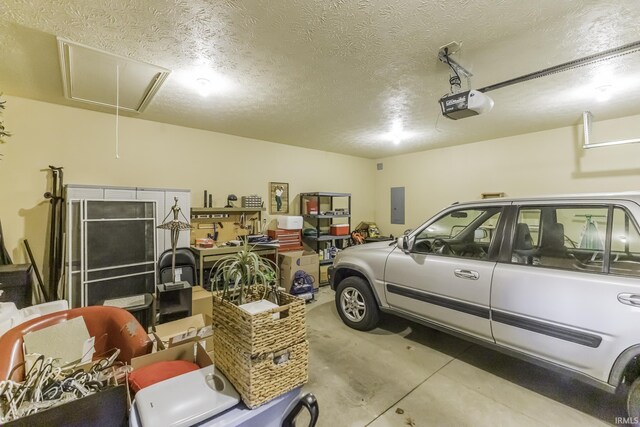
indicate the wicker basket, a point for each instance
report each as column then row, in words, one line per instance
column 262, row 377
column 260, row 333
column 263, row 357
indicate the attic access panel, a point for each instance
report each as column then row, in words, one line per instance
column 93, row 76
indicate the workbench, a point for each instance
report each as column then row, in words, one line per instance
column 212, row 254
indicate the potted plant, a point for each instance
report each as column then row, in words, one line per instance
column 241, row 275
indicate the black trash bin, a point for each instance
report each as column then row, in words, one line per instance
column 15, row 282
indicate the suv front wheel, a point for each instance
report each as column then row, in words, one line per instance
column 356, row 304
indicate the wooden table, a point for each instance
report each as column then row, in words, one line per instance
column 212, row 254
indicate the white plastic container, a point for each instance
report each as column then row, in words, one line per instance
column 290, row 222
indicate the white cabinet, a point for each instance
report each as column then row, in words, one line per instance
column 164, row 201
column 84, row 192
column 120, row 194
column 158, row 197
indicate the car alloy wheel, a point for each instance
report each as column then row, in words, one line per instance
column 352, row 304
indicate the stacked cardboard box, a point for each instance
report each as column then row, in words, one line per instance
column 291, row 262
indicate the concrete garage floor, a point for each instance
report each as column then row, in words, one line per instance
column 404, row 374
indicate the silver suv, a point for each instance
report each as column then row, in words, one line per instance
column 553, row 279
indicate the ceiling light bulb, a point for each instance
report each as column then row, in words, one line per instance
column 396, row 132
column 204, row 86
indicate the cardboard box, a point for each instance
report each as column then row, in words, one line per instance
column 298, row 258
column 324, row 273
column 291, row 262
column 187, row 330
column 202, row 301
column 180, row 352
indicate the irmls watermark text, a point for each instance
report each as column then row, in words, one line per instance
column 627, row 421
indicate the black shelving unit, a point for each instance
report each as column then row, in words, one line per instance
column 324, row 218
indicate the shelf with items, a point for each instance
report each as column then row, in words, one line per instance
column 326, row 211
column 224, row 224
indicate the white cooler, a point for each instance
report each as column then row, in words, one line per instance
column 290, row 222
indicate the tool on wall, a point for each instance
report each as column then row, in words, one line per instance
column 254, row 225
column 55, row 229
column 215, row 230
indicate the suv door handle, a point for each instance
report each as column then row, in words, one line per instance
column 470, row 274
column 629, row 299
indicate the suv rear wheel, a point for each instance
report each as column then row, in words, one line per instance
column 633, row 399
column 356, row 304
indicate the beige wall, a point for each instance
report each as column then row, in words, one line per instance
column 151, row 155
column 158, row 155
column 548, row 162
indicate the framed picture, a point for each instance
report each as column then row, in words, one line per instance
column 278, row 198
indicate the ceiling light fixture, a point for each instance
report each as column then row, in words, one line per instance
column 204, row 86
column 205, row 81
column 397, row 133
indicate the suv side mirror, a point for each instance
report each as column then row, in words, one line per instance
column 405, row 243
column 480, row 233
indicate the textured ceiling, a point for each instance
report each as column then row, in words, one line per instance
column 335, row 75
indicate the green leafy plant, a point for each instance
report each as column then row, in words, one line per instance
column 243, row 273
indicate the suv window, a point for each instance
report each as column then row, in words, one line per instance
column 570, row 238
column 625, row 245
column 463, row 233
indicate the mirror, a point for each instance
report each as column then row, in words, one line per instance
column 405, row 243
column 480, row 234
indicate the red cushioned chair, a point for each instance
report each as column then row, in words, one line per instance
column 113, row 328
